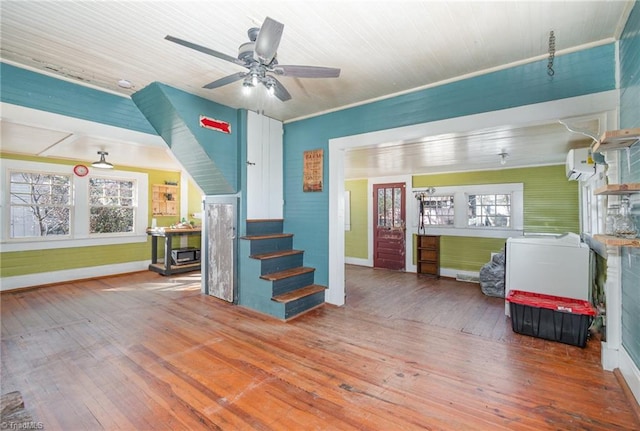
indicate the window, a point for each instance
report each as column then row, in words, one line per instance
column 437, row 210
column 390, row 207
column 47, row 207
column 489, row 210
column 111, row 205
column 484, row 210
column 40, row 204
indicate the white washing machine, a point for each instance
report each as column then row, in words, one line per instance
column 552, row 265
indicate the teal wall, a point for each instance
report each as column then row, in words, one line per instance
column 33, row 90
column 630, row 118
column 210, row 156
column 306, row 214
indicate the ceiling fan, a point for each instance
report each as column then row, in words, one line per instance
column 259, row 57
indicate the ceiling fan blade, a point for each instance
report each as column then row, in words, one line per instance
column 279, row 90
column 306, row 71
column 204, row 49
column 268, row 40
column 226, row 80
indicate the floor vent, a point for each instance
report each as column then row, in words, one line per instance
column 468, row 278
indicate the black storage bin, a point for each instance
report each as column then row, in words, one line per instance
column 550, row 317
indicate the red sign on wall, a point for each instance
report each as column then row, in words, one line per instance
column 212, row 123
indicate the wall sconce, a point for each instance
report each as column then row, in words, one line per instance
column 102, row 163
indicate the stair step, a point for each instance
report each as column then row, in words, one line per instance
column 268, row 236
column 263, row 220
column 274, row 254
column 275, row 276
column 264, row 226
column 299, row 293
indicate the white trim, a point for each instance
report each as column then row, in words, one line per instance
column 347, row 210
column 51, row 244
column 466, row 76
column 38, row 279
column 80, row 236
column 461, row 227
column 63, row 77
column 49, row 120
column 609, row 356
column 453, row 273
column 630, row 372
column 358, row 261
column 528, row 114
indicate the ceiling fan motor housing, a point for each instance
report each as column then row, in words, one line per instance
column 259, row 57
column 245, row 52
column 253, row 33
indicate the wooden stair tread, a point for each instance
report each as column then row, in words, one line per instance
column 275, row 276
column 299, row 293
column 274, row 254
column 262, row 220
column 268, row 236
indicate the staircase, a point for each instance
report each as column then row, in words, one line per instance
column 275, row 281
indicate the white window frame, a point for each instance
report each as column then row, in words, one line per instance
column 134, row 206
column 437, row 195
column 461, row 201
column 80, row 236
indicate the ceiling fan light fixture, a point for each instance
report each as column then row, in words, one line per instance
column 102, row 163
column 271, row 88
column 247, row 86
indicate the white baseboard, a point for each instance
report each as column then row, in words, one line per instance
column 31, row 280
column 609, row 357
column 357, row 261
column 453, row 273
column 630, row 372
column 444, row 272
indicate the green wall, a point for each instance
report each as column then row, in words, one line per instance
column 356, row 240
column 38, row 261
column 551, row 205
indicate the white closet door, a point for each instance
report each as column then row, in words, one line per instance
column 264, row 167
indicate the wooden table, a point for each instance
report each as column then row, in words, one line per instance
column 166, row 268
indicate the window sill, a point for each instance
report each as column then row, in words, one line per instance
column 50, row 244
column 473, row 232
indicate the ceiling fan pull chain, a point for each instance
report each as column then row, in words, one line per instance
column 552, row 53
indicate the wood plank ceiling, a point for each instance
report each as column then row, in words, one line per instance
column 382, row 48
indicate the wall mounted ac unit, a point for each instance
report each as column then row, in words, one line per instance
column 580, row 165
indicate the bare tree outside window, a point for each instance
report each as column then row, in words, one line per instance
column 492, row 210
column 436, row 210
column 40, row 204
column 111, row 205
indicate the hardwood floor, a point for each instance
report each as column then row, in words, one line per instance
column 144, row 351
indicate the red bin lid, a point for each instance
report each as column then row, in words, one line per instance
column 558, row 303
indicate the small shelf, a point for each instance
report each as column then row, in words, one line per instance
column 164, row 200
column 428, row 258
column 617, row 139
column 616, row 241
column 618, row 189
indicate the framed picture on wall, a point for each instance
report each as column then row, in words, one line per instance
column 312, row 171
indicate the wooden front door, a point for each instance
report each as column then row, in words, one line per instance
column 389, row 226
